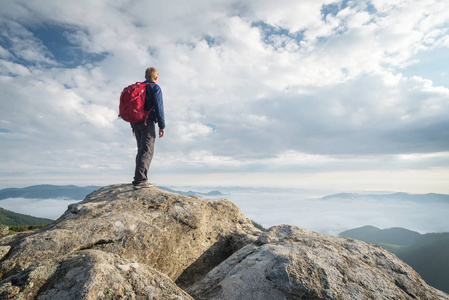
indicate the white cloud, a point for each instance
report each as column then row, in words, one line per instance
column 4, row 53
column 289, row 14
column 24, row 45
column 246, row 86
column 335, row 216
column 43, row 208
column 10, row 68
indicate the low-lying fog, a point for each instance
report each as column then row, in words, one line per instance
column 336, row 215
column 330, row 216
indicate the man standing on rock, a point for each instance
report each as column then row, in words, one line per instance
column 145, row 132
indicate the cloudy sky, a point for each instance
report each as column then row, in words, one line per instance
column 349, row 95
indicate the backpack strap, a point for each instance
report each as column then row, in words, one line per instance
column 149, row 111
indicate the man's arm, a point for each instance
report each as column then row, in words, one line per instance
column 161, row 132
column 159, row 106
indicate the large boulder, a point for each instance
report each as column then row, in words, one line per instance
column 181, row 236
column 4, row 230
column 90, row 275
column 288, row 262
column 120, row 243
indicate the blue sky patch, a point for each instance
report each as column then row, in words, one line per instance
column 211, row 41
column 330, row 9
column 49, row 41
column 433, row 65
column 269, row 31
column 56, row 40
column 334, row 8
column 211, row 126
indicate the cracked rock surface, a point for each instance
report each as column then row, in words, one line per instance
column 180, row 236
column 289, row 262
column 120, row 243
column 90, row 274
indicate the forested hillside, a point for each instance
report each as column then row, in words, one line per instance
column 10, row 218
column 427, row 253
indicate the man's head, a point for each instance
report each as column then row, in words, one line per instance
column 151, row 74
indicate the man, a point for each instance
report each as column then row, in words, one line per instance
column 145, row 132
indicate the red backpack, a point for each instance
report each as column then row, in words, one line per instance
column 132, row 103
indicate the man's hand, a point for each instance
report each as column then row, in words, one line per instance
column 161, row 132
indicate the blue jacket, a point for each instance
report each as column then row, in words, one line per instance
column 154, row 98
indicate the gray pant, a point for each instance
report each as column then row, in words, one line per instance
column 145, row 137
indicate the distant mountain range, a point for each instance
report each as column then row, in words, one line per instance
column 74, row 192
column 200, row 194
column 245, row 189
column 47, row 191
column 431, row 197
column 427, row 253
column 10, row 218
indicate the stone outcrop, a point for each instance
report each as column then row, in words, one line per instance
column 151, row 244
column 90, row 274
column 288, row 262
column 180, row 236
column 4, row 230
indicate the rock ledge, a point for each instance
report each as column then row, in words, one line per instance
column 151, row 244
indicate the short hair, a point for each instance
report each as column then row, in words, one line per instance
column 151, row 73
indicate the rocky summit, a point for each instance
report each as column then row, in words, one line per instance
column 121, row 243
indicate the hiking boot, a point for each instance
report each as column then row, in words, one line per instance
column 143, row 185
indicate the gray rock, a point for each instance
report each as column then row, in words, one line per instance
column 289, row 262
column 91, row 275
column 4, row 250
column 4, row 230
column 148, row 244
column 183, row 237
